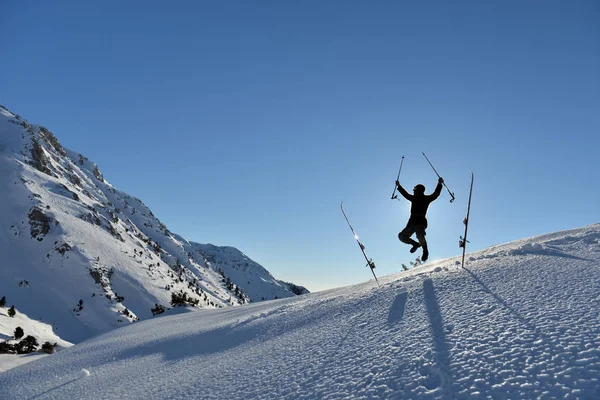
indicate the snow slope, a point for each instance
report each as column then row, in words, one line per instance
column 41, row 331
column 521, row 321
column 94, row 257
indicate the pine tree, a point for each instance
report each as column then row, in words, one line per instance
column 3, row 301
column 7, row 348
column 27, row 345
column 11, row 311
column 48, row 347
column 18, row 333
column 158, row 309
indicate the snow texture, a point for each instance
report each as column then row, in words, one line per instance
column 520, row 321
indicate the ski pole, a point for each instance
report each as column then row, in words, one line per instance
column 451, row 194
column 397, row 178
column 463, row 241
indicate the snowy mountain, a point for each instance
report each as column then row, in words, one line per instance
column 86, row 257
column 520, row 321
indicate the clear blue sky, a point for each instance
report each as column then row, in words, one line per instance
column 247, row 123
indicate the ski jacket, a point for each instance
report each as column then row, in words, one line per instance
column 420, row 202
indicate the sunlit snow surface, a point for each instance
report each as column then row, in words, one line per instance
column 521, row 321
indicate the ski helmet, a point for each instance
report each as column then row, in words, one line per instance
column 419, row 188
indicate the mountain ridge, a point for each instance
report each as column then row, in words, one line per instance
column 96, row 257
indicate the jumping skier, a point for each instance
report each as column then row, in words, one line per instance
column 417, row 223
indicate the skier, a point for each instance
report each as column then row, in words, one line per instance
column 417, row 223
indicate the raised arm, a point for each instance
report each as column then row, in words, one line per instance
column 438, row 190
column 403, row 192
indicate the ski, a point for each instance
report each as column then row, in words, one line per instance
column 370, row 262
column 463, row 240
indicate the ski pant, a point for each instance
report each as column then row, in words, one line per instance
column 415, row 225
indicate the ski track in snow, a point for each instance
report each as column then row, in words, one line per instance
column 521, row 321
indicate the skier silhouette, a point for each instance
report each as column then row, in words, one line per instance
column 417, row 223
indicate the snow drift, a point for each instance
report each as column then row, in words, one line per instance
column 520, row 321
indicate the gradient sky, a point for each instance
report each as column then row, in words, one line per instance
column 247, row 123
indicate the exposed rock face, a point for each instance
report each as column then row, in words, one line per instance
column 53, row 141
column 101, row 276
column 98, row 174
column 39, row 223
column 39, row 159
column 63, row 248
